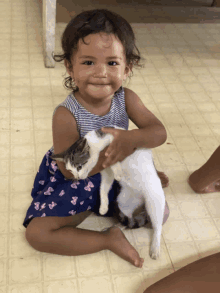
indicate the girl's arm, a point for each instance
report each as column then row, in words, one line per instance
column 151, row 132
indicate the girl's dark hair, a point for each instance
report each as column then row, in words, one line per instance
column 92, row 22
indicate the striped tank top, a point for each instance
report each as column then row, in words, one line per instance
column 86, row 121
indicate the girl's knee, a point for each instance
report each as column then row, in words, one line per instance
column 36, row 234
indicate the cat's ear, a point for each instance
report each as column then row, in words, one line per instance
column 81, row 144
column 57, row 157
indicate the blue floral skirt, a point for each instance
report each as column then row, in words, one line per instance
column 55, row 196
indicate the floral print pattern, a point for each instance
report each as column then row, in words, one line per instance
column 54, row 195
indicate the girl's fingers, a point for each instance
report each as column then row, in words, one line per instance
column 110, row 161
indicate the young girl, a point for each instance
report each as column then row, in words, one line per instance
column 98, row 54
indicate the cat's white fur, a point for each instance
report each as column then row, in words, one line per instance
column 138, row 179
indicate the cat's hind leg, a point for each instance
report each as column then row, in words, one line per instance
column 155, row 205
column 107, row 179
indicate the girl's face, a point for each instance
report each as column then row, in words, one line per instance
column 99, row 68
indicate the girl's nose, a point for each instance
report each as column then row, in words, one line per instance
column 100, row 71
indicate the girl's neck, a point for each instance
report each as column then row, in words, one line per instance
column 100, row 108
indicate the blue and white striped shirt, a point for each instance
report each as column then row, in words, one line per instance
column 86, row 121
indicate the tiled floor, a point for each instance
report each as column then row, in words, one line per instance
column 180, row 85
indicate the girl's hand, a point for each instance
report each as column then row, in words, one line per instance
column 121, row 147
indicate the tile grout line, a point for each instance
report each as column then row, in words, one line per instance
column 10, row 170
column 34, row 142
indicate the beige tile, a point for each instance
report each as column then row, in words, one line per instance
column 33, row 288
column 20, row 202
column 92, row 264
column 173, row 119
column 3, row 246
column 209, row 247
column 150, row 264
column 22, row 151
column 21, row 183
column 177, row 174
column 43, row 112
column 4, row 152
column 194, row 209
column 203, row 229
column 44, row 136
column 21, row 113
column 58, row 266
column 64, row 286
column 212, row 117
column 175, row 88
column 4, row 167
column 157, row 89
column 44, row 101
column 40, row 81
column 3, row 271
column 176, row 231
column 151, row 277
column 43, row 124
column 22, row 137
column 4, row 184
column 19, row 247
column 192, row 157
column 169, row 160
column 16, row 221
column 200, row 130
column 175, row 213
column 22, row 167
column 24, row 270
column 117, row 265
column 101, row 284
column 127, row 282
column 193, row 118
column 179, row 130
column 209, row 142
column 183, row 253
column 186, row 143
column 4, row 198
column 143, row 236
column 189, row 78
column 213, row 206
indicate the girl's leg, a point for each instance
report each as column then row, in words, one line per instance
column 207, row 178
column 59, row 235
column 201, row 276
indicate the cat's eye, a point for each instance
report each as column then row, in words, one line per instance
column 79, row 167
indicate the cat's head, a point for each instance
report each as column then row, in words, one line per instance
column 83, row 155
column 75, row 158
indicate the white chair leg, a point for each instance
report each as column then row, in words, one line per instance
column 49, row 23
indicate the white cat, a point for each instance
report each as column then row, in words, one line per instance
column 137, row 176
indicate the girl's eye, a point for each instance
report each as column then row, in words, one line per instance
column 87, row 61
column 92, row 62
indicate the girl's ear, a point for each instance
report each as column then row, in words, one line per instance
column 67, row 65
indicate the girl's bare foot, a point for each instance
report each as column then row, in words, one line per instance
column 163, row 178
column 212, row 187
column 119, row 245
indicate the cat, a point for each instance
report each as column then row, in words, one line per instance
column 141, row 191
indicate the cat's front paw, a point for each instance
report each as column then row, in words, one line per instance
column 154, row 252
column 103, row 210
